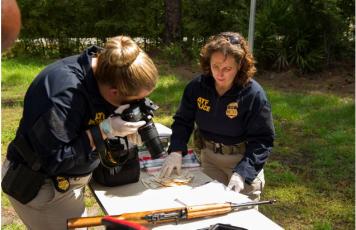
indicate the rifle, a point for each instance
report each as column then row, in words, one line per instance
column 166, row 215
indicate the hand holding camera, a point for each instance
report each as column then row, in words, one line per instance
column 142, row 110
column 133, row 121
column 116, row 126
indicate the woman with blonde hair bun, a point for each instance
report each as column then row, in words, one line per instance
column 66, row 119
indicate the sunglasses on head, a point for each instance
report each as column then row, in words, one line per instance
column 232, row 39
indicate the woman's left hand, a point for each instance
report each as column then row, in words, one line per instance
column 236, row 182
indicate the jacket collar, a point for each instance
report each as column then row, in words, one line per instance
column 90, row 82
column 85, row 59
column 208, row 82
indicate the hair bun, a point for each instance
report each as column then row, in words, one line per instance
column 121, row 51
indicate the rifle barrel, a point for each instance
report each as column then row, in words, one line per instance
column 252, row 203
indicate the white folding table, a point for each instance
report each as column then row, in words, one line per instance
column 136, row 197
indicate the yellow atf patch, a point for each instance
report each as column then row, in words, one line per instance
column 99, row 117
column 62, row 184
column 203, row 104
column 231, row 110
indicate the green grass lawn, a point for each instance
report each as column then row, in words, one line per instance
column 311, row 171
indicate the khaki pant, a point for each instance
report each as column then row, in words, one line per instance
column 50, row 209
column 219, row 167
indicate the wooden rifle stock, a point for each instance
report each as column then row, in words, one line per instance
column 137, row 217
column 165, row 215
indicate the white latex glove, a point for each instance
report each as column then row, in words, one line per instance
column 115, row 126
column 236, row 182
column 173, row 160
column 135, row 139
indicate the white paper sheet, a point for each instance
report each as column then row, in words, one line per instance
column 213, row 192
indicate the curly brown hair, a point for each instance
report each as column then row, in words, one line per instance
column 229, row 43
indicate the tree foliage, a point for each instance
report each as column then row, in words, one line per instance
column 303, row 33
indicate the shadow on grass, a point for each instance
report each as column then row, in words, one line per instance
column 29, row 60
column 12, row 102
column 16, row 79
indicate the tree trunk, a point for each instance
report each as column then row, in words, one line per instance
column 172, row 32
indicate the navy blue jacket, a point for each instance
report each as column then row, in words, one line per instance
column 63, row 101
column 242, row 114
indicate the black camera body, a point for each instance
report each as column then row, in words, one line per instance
column 142, row 110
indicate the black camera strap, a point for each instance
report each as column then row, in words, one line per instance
column 98, row 139
column 120, row 158
column 100, row 146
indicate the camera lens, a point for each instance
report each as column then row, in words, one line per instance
column 143, row 110
column 150, row 137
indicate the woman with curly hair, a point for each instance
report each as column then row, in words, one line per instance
column 230, row 115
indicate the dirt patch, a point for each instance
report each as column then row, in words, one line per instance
column 9, row 216
column 338, row 80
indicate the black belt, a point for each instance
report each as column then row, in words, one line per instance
column 225, row 149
